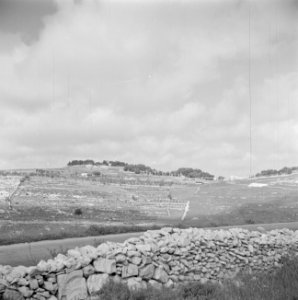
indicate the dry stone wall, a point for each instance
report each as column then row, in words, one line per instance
column 166, row 257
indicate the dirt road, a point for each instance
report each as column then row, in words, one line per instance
column 29, row 254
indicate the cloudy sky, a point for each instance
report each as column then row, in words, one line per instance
column 165, row 83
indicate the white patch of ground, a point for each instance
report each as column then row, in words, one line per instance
column 257, row 184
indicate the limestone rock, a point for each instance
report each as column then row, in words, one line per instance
column 43, row 266
column 25, row 291
column 136, row 283
column 49, row 286
column 103, row 265
column 88, row 270
column 120, row 258
column 161, row 275
column 136, row 260
column 72, row 286
column 12, row 295
column 144, row 248
column 16, row 273
column 129, row 271
column 23, row 281
column 155, row 284
column 147, row 272
column 88, row 251
column 132, row 253
column 96, row 281
column 102, row 249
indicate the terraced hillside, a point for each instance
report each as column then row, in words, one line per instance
column 50, row 203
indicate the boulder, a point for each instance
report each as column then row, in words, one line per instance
column 33, row 284
column 88, row 251
column 147, row 272
column 120, row 258
column 25, row 291
column 136, row 283
column 49, row 286
column 88, row 270
column 129, row 271
column 72, row 286
column 136, row 260
column 12, row 295
column 23, row 281
column 155, row 284
column 96, row 281
column 160, row 275
column 103, row 265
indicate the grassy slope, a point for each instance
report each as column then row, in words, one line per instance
column 38, row 214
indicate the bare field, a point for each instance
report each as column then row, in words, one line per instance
column 231, row 203
column 67, row 204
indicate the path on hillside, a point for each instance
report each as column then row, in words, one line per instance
column 29, row 254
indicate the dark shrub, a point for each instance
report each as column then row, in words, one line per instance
column 78, row 212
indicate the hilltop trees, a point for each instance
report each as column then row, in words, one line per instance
column 193, row 173
column 81, row 162
column 143, row 169
column 272, row 172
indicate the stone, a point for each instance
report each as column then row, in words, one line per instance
column 129, row 271
column 74, row 252
column 132, row 240
column 49, row 286
column 52, row 298
column 144, row 248
column 161, row 275
column 103, row 265
column 52, row 279
column 88, row 270
column 147, row 272
column 250, row 248
column 70, row 262
column 72, row 286
column 146, row 260
column 39, row 297
column 116, row 279
column 3, row 285
column 136, row 260
column 132, row 253
column 45, row 294
column 102, row 249
column 169, row 284
column 12, row 295
column 88, row 251
column 120, row 258
column 136, row 283
column 16, row 273
column 23, row 281
column 40, row 281
column 96, row 281
column 25, row 291
column 155, row 284
column 43, row 266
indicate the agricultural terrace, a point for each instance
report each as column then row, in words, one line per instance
column 64, row 202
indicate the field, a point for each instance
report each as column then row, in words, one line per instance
column 78, row 201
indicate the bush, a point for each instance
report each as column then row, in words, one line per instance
column 78, row 212
column 103, row 230
column 249, row 221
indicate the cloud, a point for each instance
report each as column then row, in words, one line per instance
column 24, row 19
column 155, row 82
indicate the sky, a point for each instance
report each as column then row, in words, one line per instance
column 204, row 84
